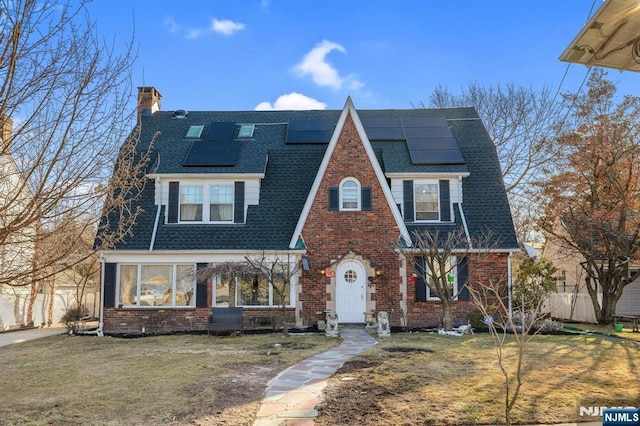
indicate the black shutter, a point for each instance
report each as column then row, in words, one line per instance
column 238, row 203
column 463, row 276
column 421, row 286
column 110, row 285
column 445, row 201
column 407, row 195
column 367, row 201
column 201, row 287
column 174, row 195
column 334, row 198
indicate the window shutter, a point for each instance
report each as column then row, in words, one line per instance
column 201, row 287
column 334, row 198
column 238, row 202
column 421, row 286
column 367, row 201
column 110, row 285
column 174, row 195
column 407, row 195
column 445, row 201
column 463, row 276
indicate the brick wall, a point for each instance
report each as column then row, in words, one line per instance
column 332, row 235
column 485, row 269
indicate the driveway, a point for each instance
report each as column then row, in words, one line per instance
column 10, row 337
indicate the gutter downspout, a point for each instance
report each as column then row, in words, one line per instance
column 464, row 219
column 509, row 284
column 155, row 224
column 155, row 229
column 101, row 322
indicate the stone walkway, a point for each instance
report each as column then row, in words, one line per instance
column 292, row 395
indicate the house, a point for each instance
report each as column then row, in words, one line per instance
column 572, row 301
column 16, row 245
column 334, row 191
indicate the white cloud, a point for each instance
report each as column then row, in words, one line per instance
column 324, row 74
column 171, row 24
column 291, row 101
column 226, row 26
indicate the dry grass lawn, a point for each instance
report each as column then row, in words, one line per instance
column 407, row 379
column 87, row 380
column 422, row 378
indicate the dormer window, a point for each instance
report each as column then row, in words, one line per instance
column 427, row 201
column 221, row 203
column 350, row 194
column 190, row 203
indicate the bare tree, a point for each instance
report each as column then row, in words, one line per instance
column 434, row 258
column 279, row 271
column 522, row 123
column 512, row 331
column 65, row 110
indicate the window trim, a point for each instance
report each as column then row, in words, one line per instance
column 358, row 195
column 454, row 272
column 206, row 201
column 415, row 200
column 272, row 305
column 174, row 282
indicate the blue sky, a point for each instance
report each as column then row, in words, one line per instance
column 286, row 54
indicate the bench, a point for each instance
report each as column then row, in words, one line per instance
column 226, row 319
column 632, row 318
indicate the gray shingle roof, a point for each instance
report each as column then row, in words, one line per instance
column 271, row 224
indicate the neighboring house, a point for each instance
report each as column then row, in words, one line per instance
column 16, row 246
column 334, row 191
column 572, row 301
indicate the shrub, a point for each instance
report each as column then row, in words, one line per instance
column 73, row 315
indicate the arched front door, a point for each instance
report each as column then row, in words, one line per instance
column 351, row 280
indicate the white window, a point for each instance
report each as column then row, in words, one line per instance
column 221, row 203
column 451, row 277
column 349, row 194
column 206, row 202
column 160, row 285
column 190, row 203
column 427, row 201
column 251, row 290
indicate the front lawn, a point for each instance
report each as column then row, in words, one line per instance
column 412, row 379
column 407, row 379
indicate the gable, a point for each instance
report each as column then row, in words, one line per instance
column 350, row 154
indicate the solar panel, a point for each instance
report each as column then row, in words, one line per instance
column 383, row 129
column 436, row 156
column 220, row 131
column 424, row 122
column 301, row 131
column 212, row 153
column 430, row 141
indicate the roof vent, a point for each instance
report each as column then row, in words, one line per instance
column 180, row 113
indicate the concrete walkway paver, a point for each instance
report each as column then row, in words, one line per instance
column 292, row 396
column 10, row 337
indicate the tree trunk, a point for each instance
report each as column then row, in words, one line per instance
column 447, row 318
column 608, row 310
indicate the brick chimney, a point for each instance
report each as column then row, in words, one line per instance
column 148, row 100
column 6, row 128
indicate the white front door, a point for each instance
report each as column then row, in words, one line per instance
column 351, row 282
